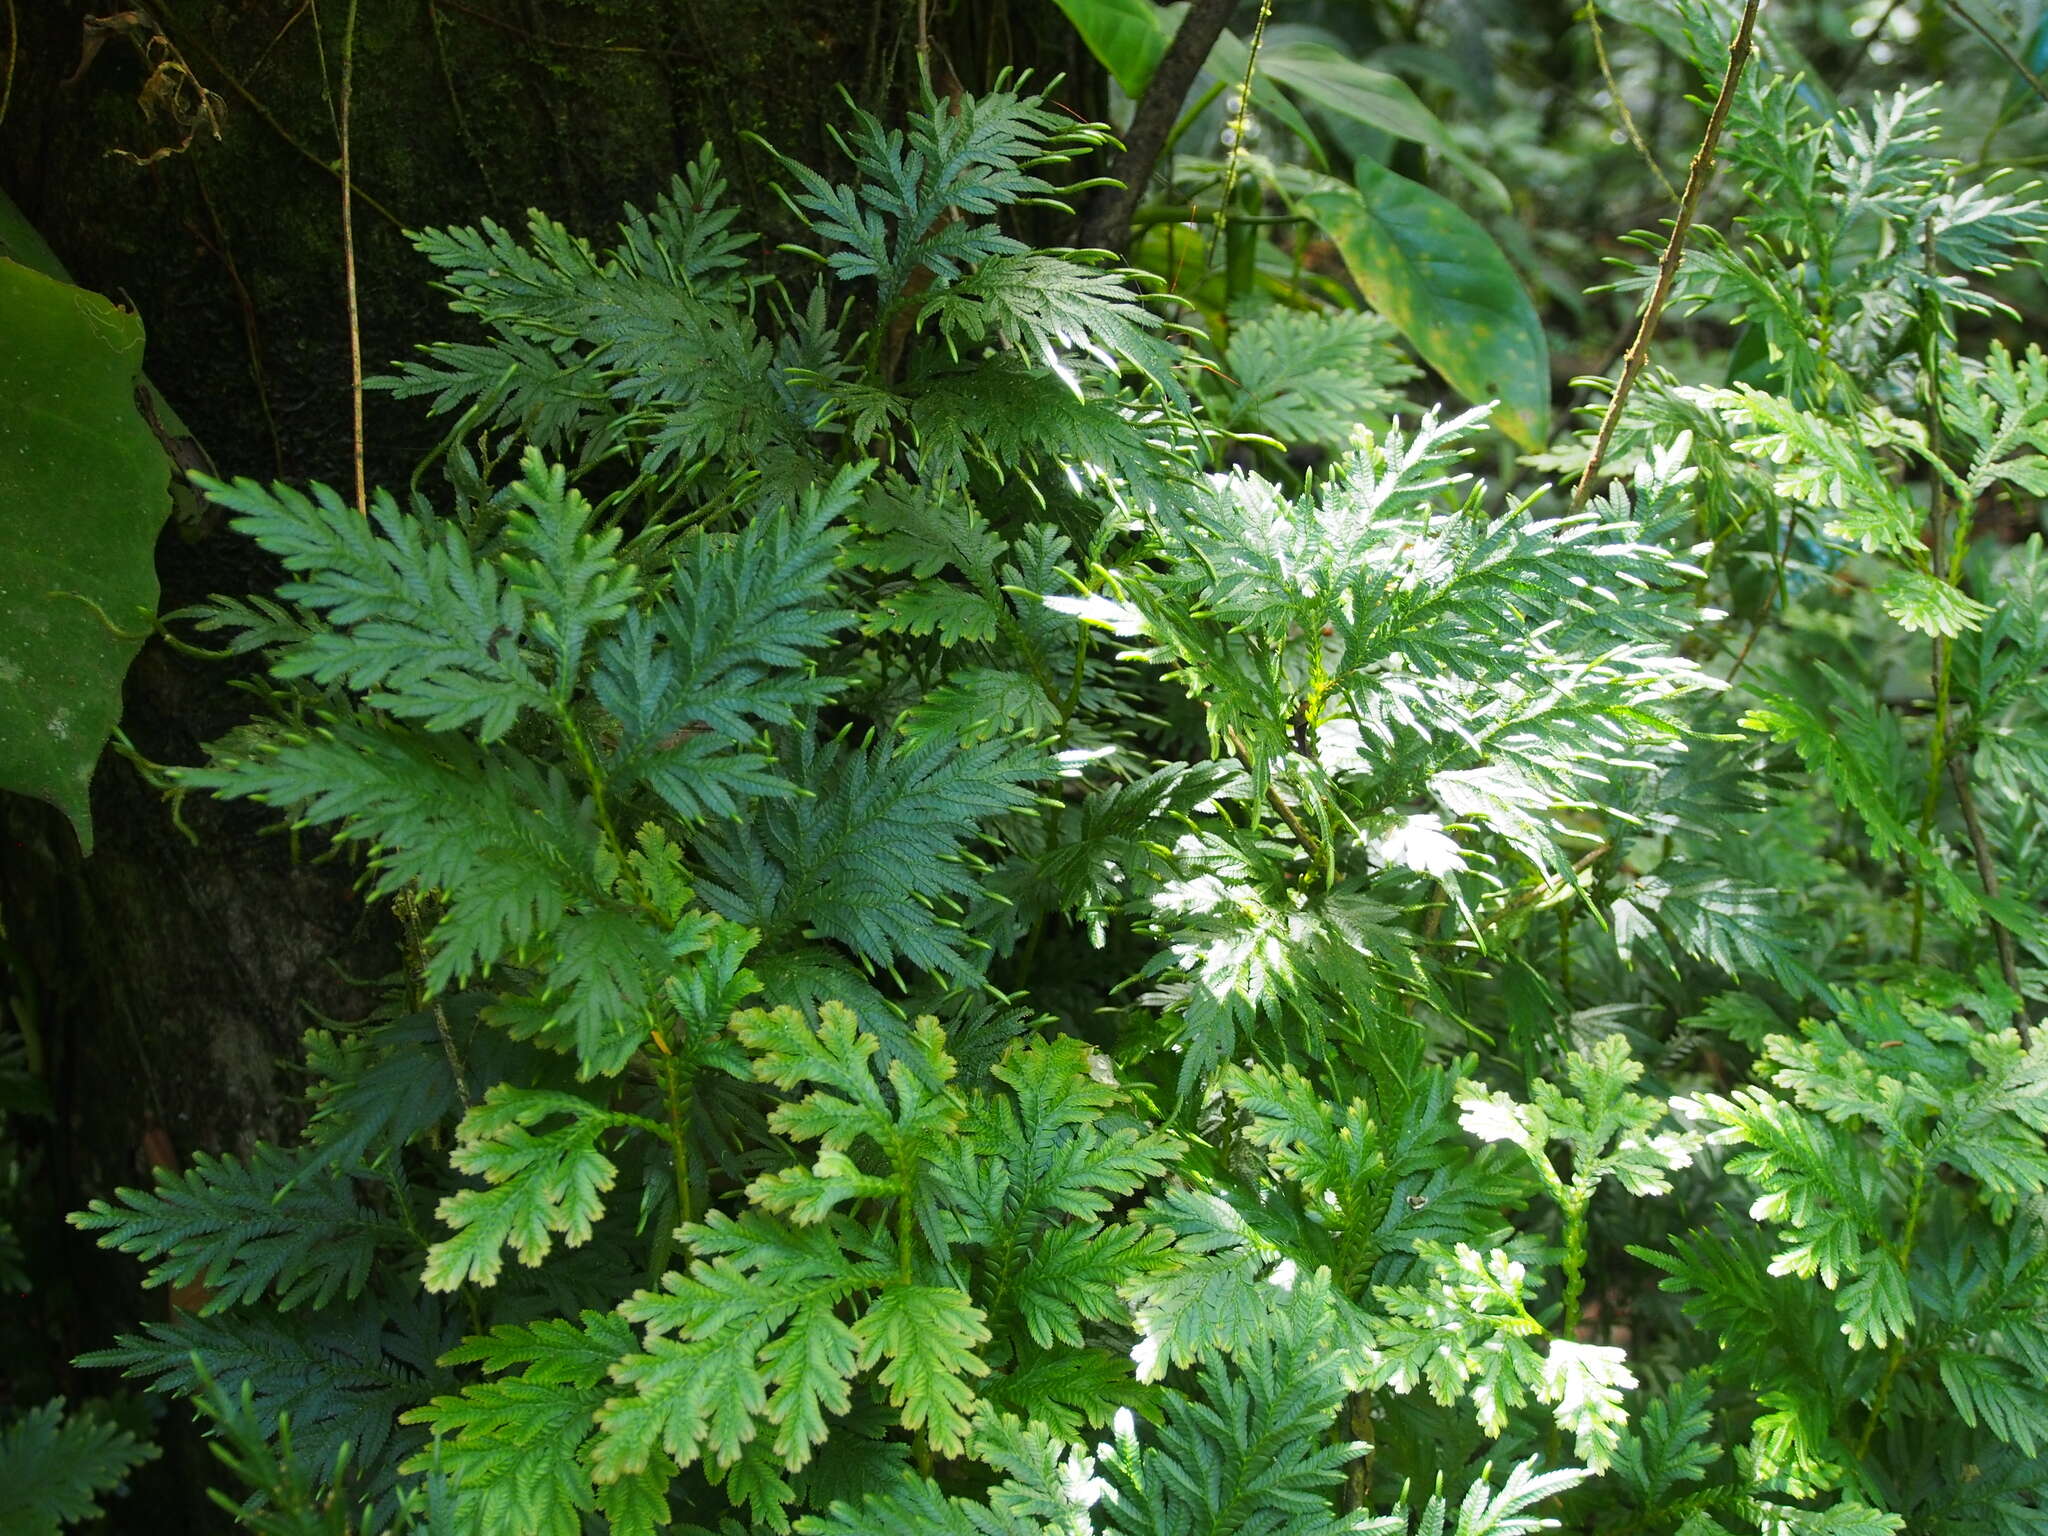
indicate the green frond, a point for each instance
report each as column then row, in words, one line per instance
column 244, row 1229
column 56, row 1467
column 536, row 1186
column 871, row 848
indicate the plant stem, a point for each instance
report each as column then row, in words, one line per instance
column 1166, row 213
column 1234, row 165
column 408, row 908
column 1998, row 46
column 1106, row 223
column 188, row 44
column 13, row 50
column 1987, row 875
column 1674, row 249
column 348, row 257
column 1628, row 120
column 906, row 1268
column 1574, row 1261
column 1310, row 843
column 1358, row 1474
column 1937, row 760
column 1897, row 1353
column 1939, row 533
column 587, row 760
column 676, row 1090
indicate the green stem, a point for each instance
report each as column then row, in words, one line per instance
column 1239, row 127
column 1987, row 875
column 1937, row 766
column 1574, row 1261
column 1897, row 1352
column 676, row 1089
column 1950, row 571
column 903, row 1243
column 587, row 760
column 1999, row 46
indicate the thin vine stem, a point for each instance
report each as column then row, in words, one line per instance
column 1233, row 167
column 1739, row 48
column 189, row 44
column 1896, row 1356
column 348, row 257
column 13, row 49
column 677, row 1097
column 1987, row 875
column 1628, row 118
column 1998, row 46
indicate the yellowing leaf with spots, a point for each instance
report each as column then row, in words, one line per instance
column 84, row 487
column 1423, row 262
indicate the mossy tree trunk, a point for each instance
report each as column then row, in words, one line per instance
column 166, row 980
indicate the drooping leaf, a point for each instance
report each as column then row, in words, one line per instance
column 83, row 491
column 1426, row 264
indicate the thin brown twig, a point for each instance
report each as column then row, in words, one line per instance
column 268, row 118
column 462, row 128
column 348, row 259
column 1987, row 874
column 278, row 37
column 13, row 48
column 1542, row 889
column 1311, row 845
column 1998, row 46
column 1628, row 118
column 252, row 336
column 1674, row 248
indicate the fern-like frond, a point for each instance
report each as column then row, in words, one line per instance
column 56, row 1467
column 244, row 1229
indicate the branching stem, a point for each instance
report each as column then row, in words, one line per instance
column 1898, row 1351
column 1574, row 1205
column 1674, row 249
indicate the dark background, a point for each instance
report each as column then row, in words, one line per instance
column 166, row 980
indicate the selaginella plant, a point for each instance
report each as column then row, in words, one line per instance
column 970, row 969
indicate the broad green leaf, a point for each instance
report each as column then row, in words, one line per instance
column 1128, row 36
column 1427, row 266
column 84, row 487
column 1326, row 78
